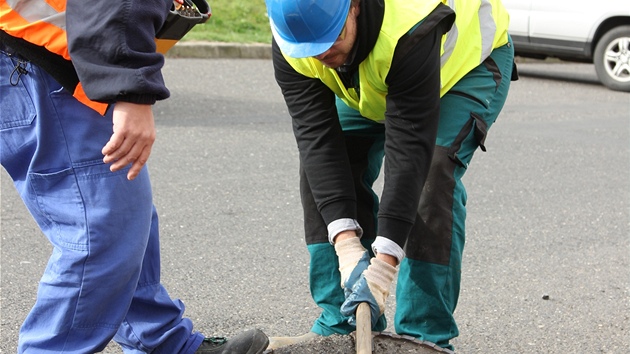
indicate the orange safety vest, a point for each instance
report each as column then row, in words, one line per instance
column 43, row 23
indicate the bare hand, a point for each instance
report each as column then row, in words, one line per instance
column 133, row 137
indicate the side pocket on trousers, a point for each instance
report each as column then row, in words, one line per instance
column 58, row 208
column 479, row 128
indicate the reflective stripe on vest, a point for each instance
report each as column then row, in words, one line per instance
column 482, row 21
column 43, row 23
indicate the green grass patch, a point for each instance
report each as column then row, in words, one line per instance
column 239, row 21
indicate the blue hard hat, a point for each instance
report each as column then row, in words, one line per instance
column 306, row 28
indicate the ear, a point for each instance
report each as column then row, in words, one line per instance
column 356, row 7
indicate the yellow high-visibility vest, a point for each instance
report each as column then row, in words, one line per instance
column 480, row 26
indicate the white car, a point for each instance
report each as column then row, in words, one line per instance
column 596, row 32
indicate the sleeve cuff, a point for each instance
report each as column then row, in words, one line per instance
column 341, row 225
column 386, row 246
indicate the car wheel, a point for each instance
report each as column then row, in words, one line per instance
column 612, row 59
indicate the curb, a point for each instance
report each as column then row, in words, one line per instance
column 219, row 50
column 223, row 50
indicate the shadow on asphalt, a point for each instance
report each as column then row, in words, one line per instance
column 558, row 71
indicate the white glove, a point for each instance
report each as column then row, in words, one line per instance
column 349, row 252
column 371, row 286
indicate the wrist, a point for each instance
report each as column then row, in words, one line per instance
column 341, row 225
column 344, row 235
column 389, row 259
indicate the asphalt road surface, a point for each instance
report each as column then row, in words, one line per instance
column 546, row 266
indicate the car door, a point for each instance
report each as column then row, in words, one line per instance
column 519, row 11
column 561, row 26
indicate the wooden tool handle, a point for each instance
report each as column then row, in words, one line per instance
column 364, row 329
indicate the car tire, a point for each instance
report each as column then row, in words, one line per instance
column 612, row 59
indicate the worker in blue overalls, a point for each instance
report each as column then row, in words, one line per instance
column 77, row 82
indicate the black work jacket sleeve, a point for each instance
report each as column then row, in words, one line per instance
column 411, row 120
column 112, row 47
column 319, row 138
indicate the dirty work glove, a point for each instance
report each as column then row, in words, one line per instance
column 371, row 286
column 351, row 254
